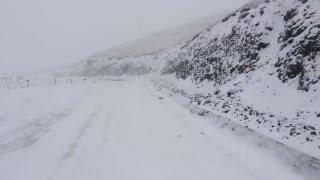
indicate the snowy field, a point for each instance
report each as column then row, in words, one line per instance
column 121, row 130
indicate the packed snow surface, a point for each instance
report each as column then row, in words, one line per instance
column 121, row 130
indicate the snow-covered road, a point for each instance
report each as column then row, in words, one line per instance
column 120, row 130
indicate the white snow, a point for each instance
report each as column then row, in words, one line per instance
column 120, row 130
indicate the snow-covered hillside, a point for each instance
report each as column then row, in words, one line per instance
column 258, row 66
column 235, row 97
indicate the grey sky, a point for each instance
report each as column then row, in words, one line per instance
column 37, row 34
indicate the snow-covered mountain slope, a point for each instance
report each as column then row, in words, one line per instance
column 258, row 66
column 251, row 81
column 280, row 33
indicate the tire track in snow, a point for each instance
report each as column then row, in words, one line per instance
column 70, row 151
column 80, row 134
column 31, row 133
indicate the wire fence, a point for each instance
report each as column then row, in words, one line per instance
column 20, row 82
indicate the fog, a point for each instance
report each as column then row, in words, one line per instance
column 41, row 34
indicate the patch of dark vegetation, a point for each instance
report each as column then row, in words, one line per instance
column 292, row 30
column 300, row 60
column 217, row 92
column 303, row 1
column 269, row 28
column 310, row 44
column 245, row 9
column 261, row 12
column 220, row 57
column 308, row 127
column 243, row 15
column 290, row 14
column 228, row 17
column 293, row 70
column 313, row 133
column 262, row 45
column 203, row 113
column 182, row 69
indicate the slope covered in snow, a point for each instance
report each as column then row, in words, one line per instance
column 250, row 81
column 258, row 66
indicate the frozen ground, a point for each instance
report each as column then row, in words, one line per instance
column 120, row 130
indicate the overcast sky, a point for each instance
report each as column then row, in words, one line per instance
column 37, row 34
